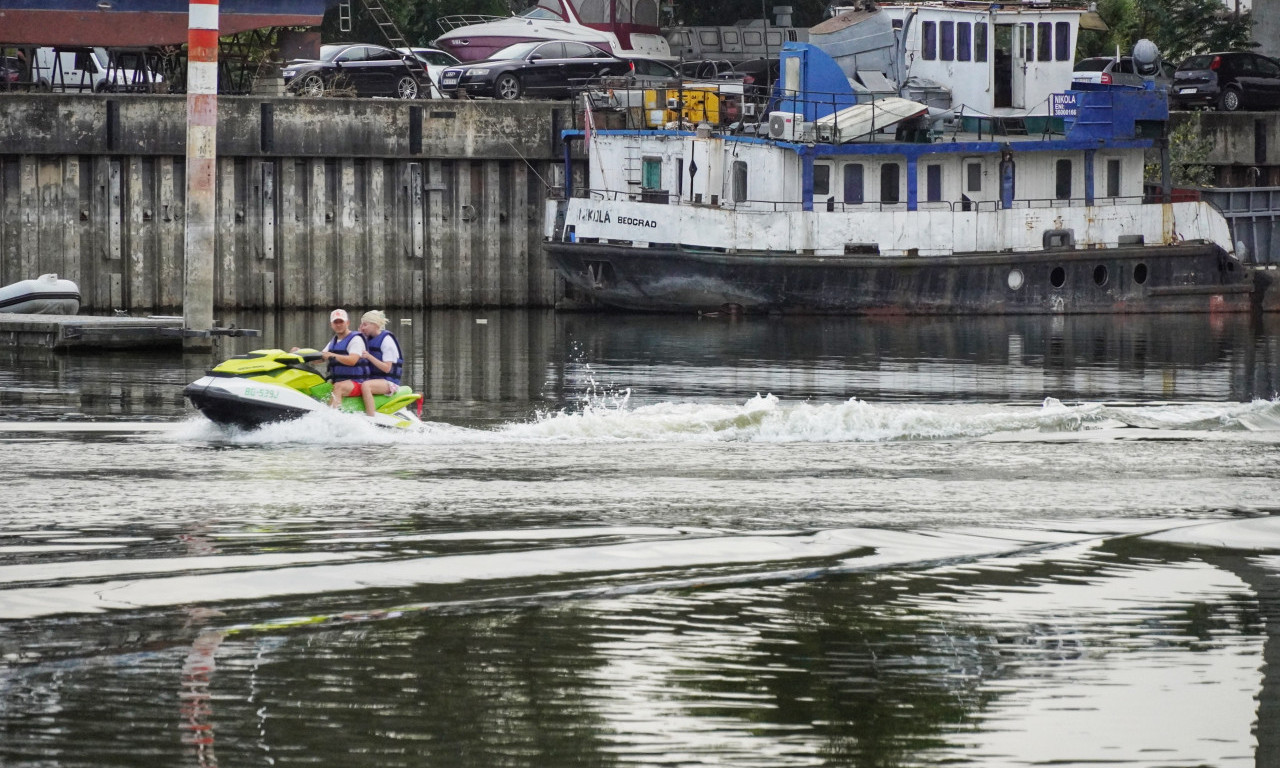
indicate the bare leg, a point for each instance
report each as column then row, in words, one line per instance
column 340, row 390
column 374, row 387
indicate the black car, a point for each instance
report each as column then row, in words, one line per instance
column 551, row 68
column 368, row 70
column 1228, row 80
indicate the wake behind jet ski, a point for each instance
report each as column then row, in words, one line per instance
column 270, row 385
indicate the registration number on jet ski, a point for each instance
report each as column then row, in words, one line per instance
column 261, row 392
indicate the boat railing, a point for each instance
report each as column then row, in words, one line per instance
column 665, row 197
column 457, row 20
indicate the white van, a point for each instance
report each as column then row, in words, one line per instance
column 92, row 69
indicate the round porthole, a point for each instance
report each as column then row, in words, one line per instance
column 1100, row 274
column 1140, row 274
column 1015, row 279
column 1058, row 277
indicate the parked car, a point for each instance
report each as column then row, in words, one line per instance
column 10, row 72
column 549, row 68
column 434, row 62
column 1108, row 70
column 369, row 70
column 1227, row 80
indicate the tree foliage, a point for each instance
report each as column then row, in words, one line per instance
column 1179, row 28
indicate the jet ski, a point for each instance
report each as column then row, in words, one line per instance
column 270, row 385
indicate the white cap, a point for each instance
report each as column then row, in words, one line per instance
column 338, row 314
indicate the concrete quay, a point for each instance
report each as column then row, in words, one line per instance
column 321, row 202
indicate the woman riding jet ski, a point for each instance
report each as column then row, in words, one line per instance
column 269, row 385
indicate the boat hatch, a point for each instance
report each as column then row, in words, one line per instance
column 860, row 120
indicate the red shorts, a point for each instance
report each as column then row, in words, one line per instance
column 355, row 389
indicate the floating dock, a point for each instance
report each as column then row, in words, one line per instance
column 65, row 332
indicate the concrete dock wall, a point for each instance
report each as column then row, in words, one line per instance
column 321, row 202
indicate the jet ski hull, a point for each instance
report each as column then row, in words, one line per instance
column 247, row 404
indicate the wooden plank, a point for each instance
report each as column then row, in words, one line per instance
column 516, row 244
column 229, row 280
column 28, row 235
column 490, row 262
column 292, row 265
column 73, row 223
column 348, row 259
column 169, row 236
column 435, row 233
column 140, row 279
column 320, row 214
column 378, row 290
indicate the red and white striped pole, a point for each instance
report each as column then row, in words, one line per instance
column 202, row 144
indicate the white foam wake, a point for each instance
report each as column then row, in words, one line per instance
column 766, row 419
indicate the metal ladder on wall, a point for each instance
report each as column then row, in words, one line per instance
column 395, row 38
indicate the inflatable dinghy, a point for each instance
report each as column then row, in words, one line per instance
column 46, row 295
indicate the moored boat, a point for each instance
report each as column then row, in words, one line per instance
column 45, row 295
column 845, row 205
column 625, row 28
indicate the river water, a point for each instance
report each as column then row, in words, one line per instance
column 658, row 541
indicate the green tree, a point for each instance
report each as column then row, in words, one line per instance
column 1179, row 28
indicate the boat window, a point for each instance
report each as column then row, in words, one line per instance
column 821, row 179
column 853, row 183
column 973, row 176
column 964, row 31
column 739, row 191
column 1062, row 41
column 593, row 11
column 645, row 13
column 1062, row 188
column 652, row 176
column 929, row 40
column 948, row 40
column 774, row 39
column 622, row 12
column 1045, row 38
column 543, row 9
column 933, row 183
column 730, row 38
column 1029, row 36
column 889, row 184
column 709, row 37
column 980, row 41
column 1113, row 178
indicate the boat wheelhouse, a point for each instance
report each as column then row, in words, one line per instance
column 993, row 59
column 850, row 206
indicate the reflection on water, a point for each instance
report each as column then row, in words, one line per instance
column 505, row 364
column 658, row 541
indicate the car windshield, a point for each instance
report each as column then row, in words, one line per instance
column 1196, row 62
column 516, row 51
column 1092, row 65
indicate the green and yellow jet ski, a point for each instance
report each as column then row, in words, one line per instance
column 269, row 385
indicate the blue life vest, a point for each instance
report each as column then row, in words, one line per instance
column 375, row 348
column 340, row 372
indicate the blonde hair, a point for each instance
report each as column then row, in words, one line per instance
column 376, row 317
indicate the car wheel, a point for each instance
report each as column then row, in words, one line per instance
column 507, row 87
column 1229, row 101
column 311, row 85
column 407, row 88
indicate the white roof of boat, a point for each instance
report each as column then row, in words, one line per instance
column 863, row 119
